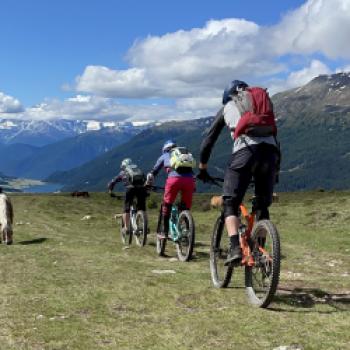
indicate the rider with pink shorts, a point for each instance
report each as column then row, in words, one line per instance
column 180, row 180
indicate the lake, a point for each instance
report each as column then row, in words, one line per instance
column 44, row 188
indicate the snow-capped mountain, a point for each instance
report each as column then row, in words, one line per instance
column 43, row 132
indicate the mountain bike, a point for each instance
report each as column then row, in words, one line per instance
column 181, row 232
column 261, row 256
column 138, row 227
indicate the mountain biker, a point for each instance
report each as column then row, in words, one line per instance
column 134, row 189
column 180, row 180
column 252, row 157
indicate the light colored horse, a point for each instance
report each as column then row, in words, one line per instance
column 6, row 219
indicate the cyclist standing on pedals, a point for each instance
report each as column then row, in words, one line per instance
column 248, row 112
column 134, row 180
column 179, row 180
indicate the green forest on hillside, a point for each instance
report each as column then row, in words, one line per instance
column 316, row 157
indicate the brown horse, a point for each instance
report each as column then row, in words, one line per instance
column 80, row 194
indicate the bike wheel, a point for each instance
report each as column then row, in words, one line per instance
column 140, row 232
column 185, row 244
column 220, row 274
column 160, row 243
column 262, row 278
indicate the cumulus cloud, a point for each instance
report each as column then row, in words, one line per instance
column 199, row 62
column 198, row 103
column 300, row 77
column 77, row 107
column 191, row 67
column 102, row 108
column 9, row 104
column 321, row 26
column 132, row 82
column 304, row 75
column 185, row 63
column 343, row 69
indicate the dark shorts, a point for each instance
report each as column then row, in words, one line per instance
column 140, row 194
column 258, row 162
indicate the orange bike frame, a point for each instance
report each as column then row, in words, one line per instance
column 247, row 258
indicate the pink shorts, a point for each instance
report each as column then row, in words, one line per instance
column 174, row 185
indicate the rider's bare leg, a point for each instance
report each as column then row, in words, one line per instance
column 232, row 224
column 126, row 219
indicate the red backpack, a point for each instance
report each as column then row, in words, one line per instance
column 261, row 120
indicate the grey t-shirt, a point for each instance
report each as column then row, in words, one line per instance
column 232, row 112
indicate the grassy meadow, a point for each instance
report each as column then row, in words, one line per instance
column 68, row 283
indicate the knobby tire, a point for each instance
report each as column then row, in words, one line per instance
column 220, row 274
column 261, row 280
column 184, row 246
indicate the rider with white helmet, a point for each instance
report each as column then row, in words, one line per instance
column 180, row 180
column 133, row 180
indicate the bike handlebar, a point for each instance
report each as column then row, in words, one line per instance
column 147, row 187
column 213, row 180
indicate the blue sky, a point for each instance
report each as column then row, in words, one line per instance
column 109, row 59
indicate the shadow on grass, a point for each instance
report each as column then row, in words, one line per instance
column 307, row 298
column 201, row 256
column 33, row 241
column 202, row 244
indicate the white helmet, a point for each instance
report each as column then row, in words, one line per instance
column 168, row 145
column 126, row 162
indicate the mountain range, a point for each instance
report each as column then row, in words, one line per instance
column 43, row 132
column 314, row 129
column 87, row 141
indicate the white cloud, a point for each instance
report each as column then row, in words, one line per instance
column 192, row 67
column 198, row 103
column 300, row 77
column 9, row 104
column 185, row 63
column 102, row 108
column 304, row 75
column 200, row 62
column 77, row 107
column 319, row 26
column 345, row 69
column 108, row 82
